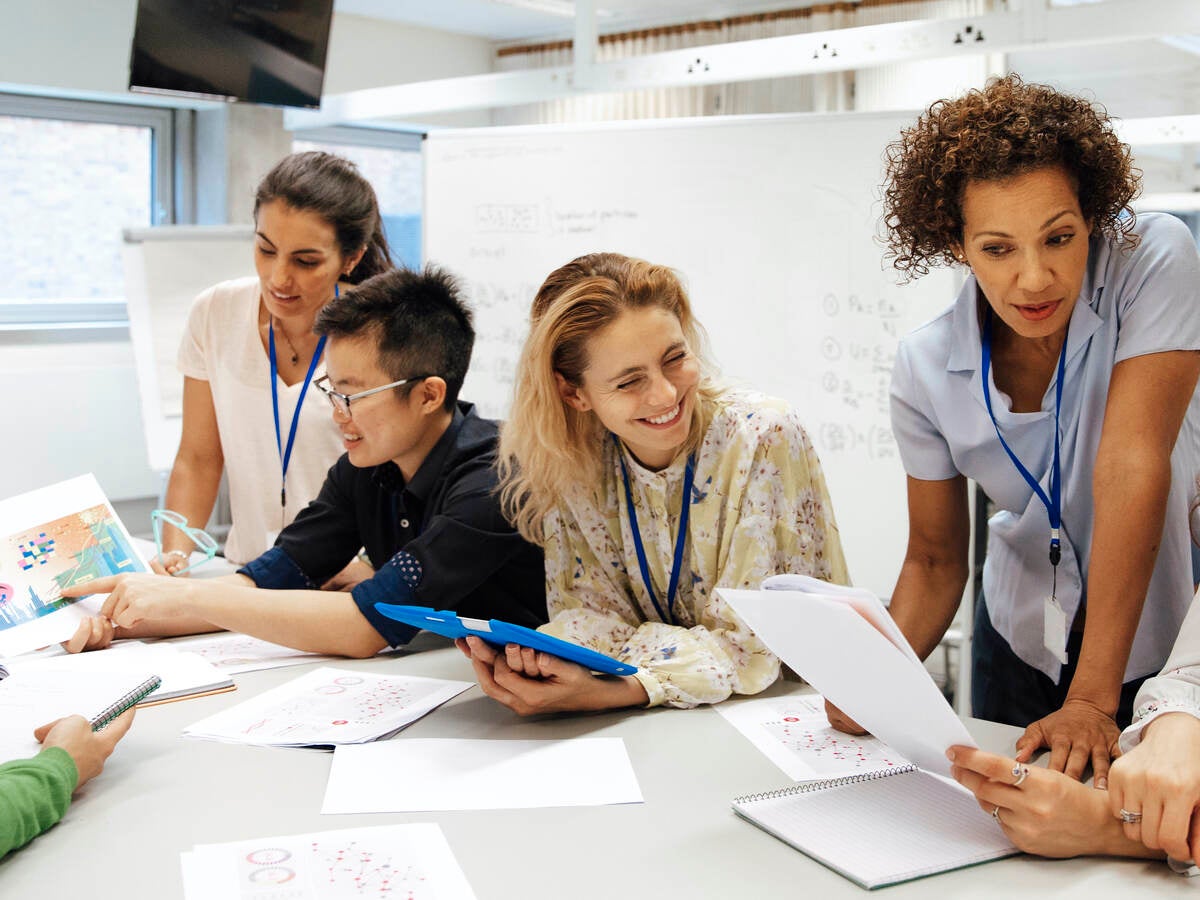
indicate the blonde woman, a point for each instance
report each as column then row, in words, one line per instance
column 648, row 486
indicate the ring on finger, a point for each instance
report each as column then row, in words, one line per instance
column 1020, row 773
column 1129, row 817
column 996, row 813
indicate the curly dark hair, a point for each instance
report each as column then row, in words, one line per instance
column 1006, row 129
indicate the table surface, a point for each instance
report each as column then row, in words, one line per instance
column 162, row 793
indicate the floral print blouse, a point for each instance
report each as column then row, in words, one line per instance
column 759, row 507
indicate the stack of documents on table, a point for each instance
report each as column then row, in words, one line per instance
column 419, row 775
column 328, row 707
column 879, row 827
column 183, row 674
column 29, row 700
column 235, row 653
column 401, row 861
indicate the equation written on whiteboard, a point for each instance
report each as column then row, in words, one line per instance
column 529, row 218
column 857, row 351
column 876, row 441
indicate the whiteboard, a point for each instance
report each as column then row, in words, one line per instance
column 772, row 221
column 165, row 268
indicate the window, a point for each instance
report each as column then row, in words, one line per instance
column 391, row 161
column 73, row 175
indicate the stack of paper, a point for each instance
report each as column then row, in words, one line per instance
column 843, row 642
column 30, row 700
column 236, row 653
column 182, row 674
column 401, row 861
column 327, row 707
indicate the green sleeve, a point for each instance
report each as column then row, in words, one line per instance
column 34, row 795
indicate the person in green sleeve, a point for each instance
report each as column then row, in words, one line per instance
column 35, row 793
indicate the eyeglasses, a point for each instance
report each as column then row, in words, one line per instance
column 341, row 402
column 201, row 539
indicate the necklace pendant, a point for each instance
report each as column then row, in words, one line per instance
column 295, row 358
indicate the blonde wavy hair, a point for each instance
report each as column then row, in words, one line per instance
column 547, row 448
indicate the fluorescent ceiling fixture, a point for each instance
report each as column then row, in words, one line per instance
column 563, row 8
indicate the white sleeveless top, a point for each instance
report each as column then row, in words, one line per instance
column 222, row 346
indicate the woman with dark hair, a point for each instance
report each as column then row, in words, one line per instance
column 250, row 353
column 1062, row 381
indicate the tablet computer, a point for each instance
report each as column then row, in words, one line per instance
column 499, row 633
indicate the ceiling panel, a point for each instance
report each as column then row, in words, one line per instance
column 501, row 21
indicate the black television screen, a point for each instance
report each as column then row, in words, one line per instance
column 264, row 51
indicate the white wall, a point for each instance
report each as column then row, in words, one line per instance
column 365, row 53
column 78, row 45
column 86, row 414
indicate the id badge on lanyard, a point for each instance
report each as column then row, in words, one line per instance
column 285, row 454
column 1054, row 619
column 667, row 615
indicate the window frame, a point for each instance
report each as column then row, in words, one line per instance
column 170, row 179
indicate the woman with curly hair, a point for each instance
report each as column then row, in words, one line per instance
column 1062, row 381
column 648, row 486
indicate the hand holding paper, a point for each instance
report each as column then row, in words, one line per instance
column 844, row 643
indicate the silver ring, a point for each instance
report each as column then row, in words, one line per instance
column 996, row 813
column 1020, row 773
column 1129, row 817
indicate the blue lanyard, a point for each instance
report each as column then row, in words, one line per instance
column 689, row 477
column 1053, row 503
column 285, row 456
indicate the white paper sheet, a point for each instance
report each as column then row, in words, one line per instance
column 408, row 775
column 235, row 653
column 54, row 537
column 846, row 658
column 329, row 706
column 861, row 600
column 400, row 862
column 794, row 733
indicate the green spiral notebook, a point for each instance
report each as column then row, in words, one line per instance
column 880, row 827
column 126, row 701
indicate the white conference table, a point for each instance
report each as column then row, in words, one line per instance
column 160, row 794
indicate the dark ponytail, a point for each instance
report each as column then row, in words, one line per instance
column 332, row 187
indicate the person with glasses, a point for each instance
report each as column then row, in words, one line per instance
column 416, row 487
column 249, row 354
column 648, row 485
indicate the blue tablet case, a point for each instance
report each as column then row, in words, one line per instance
column 499, row 633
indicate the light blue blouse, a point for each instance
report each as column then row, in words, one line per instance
column 1132, row 303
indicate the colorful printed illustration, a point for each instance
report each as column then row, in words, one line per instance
column 71, row 550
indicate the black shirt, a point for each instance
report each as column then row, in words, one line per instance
column 439, row 541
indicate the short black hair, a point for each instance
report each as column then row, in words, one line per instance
column 419, row 320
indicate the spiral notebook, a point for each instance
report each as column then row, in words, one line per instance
column 28, row 700
column 881, row 827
